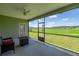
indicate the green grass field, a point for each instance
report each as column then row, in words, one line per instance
column 64, row 31
column 70, row 43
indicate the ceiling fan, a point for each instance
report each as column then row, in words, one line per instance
column 23, row 10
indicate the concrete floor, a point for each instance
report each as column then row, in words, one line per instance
column 36, row 48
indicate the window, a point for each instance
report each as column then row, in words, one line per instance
column 33, row 29
column 63, row 30
column 60, row 29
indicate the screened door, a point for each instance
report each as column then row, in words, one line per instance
column 41, row 30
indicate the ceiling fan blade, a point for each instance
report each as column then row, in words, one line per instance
column 26, row 12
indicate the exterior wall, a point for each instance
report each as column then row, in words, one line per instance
column 9, row 27
column 0, row 28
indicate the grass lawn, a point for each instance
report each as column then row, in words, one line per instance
column 70, row 43
column 65, row 31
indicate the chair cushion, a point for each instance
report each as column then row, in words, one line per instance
column 7, row 42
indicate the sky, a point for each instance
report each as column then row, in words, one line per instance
column 68, row 18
